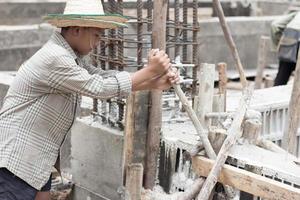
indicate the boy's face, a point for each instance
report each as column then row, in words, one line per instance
column 87, row 39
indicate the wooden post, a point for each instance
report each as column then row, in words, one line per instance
column 219, row 101
column 251, row 131
column 261, row 63
column 290, row 135
column 206, row 92
column 134, row 181
column 136, row 124
column 154, row 127
column 234, row 133
column 222, row 67
column 269, row 81
column 129, row 133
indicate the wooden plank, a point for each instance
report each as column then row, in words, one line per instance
column 247, row 181
column 155, row 111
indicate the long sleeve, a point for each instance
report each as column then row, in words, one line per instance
column 67, row 76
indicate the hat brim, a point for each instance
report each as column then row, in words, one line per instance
column 111, row 21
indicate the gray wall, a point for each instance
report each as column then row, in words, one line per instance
column 246, row 33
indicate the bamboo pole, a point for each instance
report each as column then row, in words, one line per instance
column 199, row 128
column 230, row 42
column 154, row 127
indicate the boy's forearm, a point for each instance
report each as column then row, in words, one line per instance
column 147, row 85
column 140, row 78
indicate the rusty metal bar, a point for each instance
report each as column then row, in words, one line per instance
column 149, row 15
column 177, row 24
column 184, row 32
column 195, row 47
column 139, row 32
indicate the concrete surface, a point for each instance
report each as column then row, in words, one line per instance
column 93, row 154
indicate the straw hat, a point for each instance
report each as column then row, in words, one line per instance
column 87, row 13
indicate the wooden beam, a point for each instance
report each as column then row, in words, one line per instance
column 290, row 135
column 246, row 181
column 155, row 112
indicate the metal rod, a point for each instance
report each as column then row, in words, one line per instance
column 176, row 18
column 184, row 32
column 139, row 32
column 195, row 47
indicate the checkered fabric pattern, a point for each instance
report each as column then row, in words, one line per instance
column 41, row 105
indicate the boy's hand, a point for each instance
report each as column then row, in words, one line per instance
column 167, row 80
column 158, row 62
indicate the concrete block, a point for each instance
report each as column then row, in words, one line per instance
column 93, row 154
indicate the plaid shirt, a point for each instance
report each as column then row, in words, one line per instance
column 41, row 105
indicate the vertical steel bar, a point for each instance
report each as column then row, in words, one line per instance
column 149, row 15
column 112, row 34
column 120, row 102
column 195, row 47
column 139, row 33
column 112, row 55
column 177, row 30
column 103, row 66
column 184, row 31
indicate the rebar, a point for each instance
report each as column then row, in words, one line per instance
column 149, row 15
column 195, row 47
column 113, row 44
column 139, row 32
column 184, row 32
column 177, row 24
